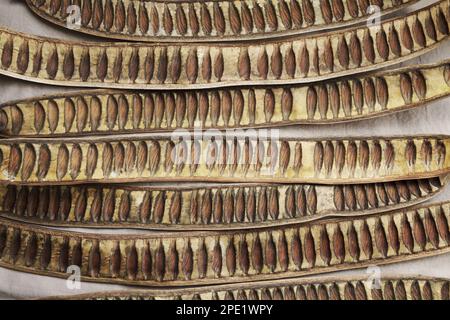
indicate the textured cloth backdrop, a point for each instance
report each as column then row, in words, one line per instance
column 433, row 119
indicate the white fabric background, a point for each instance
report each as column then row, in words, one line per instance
column 433, row 119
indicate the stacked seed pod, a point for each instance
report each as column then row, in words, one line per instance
column 251, row 210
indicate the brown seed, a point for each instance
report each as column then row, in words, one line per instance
column 309, row 248
column 94, row 260
column 296, row 250
column 355, row 50
column 218, row 66
column 149, row 65
column 247, row 20
column 382, row 92
column 441, row 22
column 167, row 20
column 419, row 85
column 37, row 60
column 322, row 101
column 406, row 87
column 368, row 49
column 205, row 18
column 418, row 34
column 85, row 65
column 187, row 260
column 80, row 205
column 15, row 160
column 52, row 115
column 419, row 231
column 431, row 229
column 328, row 157
column 338, row 9
column 39, row 116
column 230, row 257
column 91, row 163
column 107, row 159
column 29, row 160
column 285, row 154
column 154, row 19
column 415, row 291
column 102, row 66
column 7, row 53
column 325, row 8
column 380, row 238
column 426, row 152
column 176, row 64
column 406, row 36
column 410, row 153
column 394, row 41
column 244, row 67
column 270, row 253
column 339, row 244
column 366, row 240
column 406, row 232
column 202, row 259
column 352, row 152
column 343, row 53
column 172, row 260
column 132, row 262
column 271, row 16
column 318, row 157
column 115, row 260
column 389, row 155
column 143, row 19
column 86, row 13
column 233, row 17
column 62, row 162
column 160, row 262
column 350, row 197
column 289, row 62
column 338, row 198
column 219, row 20
column 302, row 205
column 162, row 65
column 258, row 17
column 108, row 20
column 43, row 162
column 309, row 12
column 133, row 65
column 382, row 45
column 442, row 225
column 52, row 64
column 180, row 19
column 353, row 245
column 244, row 259
column 325, row 250
column 295, row 15
column 192, row 66
column 311, row 102
column 328, row 56
column 263, row 64
column 276, row 62
column 269, row 104
column 69, row 114
column 429, row 27
column 23, row 57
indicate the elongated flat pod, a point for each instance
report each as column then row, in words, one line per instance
column 359, row 97
column 197, row 21
column 220, row 207
column 144, row 66
column 329, row 288
column 186, row 258
column 223, row 159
